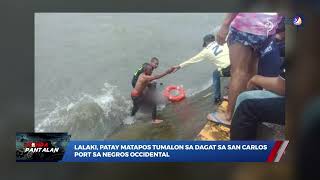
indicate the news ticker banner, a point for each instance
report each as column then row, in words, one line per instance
column 57, row 147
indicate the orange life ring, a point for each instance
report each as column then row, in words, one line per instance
column 174, row 98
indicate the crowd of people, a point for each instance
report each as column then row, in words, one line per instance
column 248, row 48
column 251, row 39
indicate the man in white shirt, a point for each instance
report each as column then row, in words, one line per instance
column 219, row 56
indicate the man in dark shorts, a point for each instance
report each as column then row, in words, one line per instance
column 154, row 62
column 142, row 93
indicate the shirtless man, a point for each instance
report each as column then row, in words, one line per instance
column 154, row 62
column 141, row 93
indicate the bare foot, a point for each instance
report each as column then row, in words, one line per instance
column 157, row 121
column 228, row 117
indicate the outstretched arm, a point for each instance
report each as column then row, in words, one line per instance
column 151, row 78
column 195, row 59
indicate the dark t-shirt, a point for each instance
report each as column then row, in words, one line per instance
column 137, row 74
column 283, row 70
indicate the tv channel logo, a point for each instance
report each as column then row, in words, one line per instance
column 297, row 21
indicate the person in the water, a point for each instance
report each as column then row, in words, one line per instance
column 154, row 62
column 142, row 93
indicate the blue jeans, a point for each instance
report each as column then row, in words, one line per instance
column 216, row 75
column 252, row 108
column 216, row 84
column 254, row 94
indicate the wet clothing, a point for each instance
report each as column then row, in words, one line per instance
column 218, row 55
column 144, row 100
column 134, row 92
column 137, row 74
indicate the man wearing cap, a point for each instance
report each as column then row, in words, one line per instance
column 218, row 55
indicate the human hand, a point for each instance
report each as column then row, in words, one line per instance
column 222, row 34
column 251, row 83
column 176, row 68
column 170, row 70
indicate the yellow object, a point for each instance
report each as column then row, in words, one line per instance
column 223, row 106
column 218, row 55
column 214, row 132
